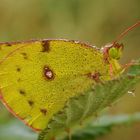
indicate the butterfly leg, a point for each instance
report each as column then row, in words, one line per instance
column 111, row 71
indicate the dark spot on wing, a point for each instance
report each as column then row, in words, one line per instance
column 95, row 76
column 48, row 73
column 25, row 56
column 22, row 92
column 44, row 111
column 18, row 69
column 8, row 44
column 31, row 103
column 46, row 45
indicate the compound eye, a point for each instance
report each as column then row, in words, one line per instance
column 115, row 53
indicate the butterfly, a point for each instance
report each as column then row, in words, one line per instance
column 38, row 77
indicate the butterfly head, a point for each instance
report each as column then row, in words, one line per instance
column 113, row 51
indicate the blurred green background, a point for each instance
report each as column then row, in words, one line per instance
column 94, row 21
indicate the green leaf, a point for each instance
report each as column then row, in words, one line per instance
column 103, row 125
column 79, row 110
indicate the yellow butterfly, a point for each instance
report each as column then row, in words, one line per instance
column 38, row 77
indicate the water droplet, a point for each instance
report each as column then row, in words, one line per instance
column 131, row 92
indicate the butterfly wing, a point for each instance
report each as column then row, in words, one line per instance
column 38, row 77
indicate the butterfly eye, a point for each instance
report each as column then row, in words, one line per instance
column 116, row 51
column 113, row 53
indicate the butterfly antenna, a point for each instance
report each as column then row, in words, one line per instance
column 126, row 31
